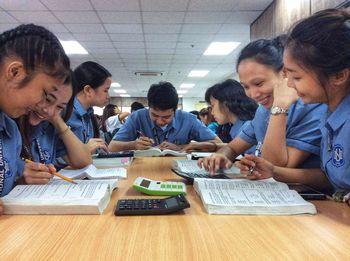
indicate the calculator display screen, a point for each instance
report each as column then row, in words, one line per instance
column 171, row 202
column 145, row 183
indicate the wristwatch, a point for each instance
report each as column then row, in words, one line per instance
column 275, row 110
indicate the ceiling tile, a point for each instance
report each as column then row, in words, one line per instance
column 251, row 5
column 129, row 44
column 200, row 28
column 234, row 28
column 164, row 5
column 163, row 17
column 101, row 50
column 159, row 51
column 65, row 36
column 116, row 5
column 91, row 37
column 97, row 45
column 161, row 45
column 75, row 17
column 210, row 5
column 44, row 17
column 127, row 37
column 5, row 18
column 206, row 17
column 162, row 28
column 67, row 5
column 124, row 28
column 33, row 5
column 130, row 51
column 161, row 37
column 56, row 28
column 5, row 27
column 196, row 38
column 85, row 28
column 120, row 17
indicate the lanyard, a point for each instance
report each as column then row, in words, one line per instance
column 329, row 139
column 156, row 137
column 41, row 152
column 2, row 165
column 85, row 129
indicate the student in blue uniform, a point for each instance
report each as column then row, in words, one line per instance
column 161, row 125
column 317, row 61
column 93, row 83
column 288, row 129
column 231, row 108
column 47, row 137
column 32, row 65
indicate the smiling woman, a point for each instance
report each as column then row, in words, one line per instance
column 32, row 65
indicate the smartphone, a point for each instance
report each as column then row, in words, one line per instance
column 307, row 192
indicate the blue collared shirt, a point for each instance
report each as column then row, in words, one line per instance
column 81, row 122
column 183, row 128
column 46, row 145
column 11, row 146
column 302, row 130
column 236, row 129
column 335, row 145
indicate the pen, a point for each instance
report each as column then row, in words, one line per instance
column 141, row 133
column 257, row 154
column 56, row 174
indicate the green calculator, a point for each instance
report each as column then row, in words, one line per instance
column 159, row 188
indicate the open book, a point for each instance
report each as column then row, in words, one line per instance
column 190, row 166
column 263, row 197
column 155, row 152
column 60, row 197
column 91, row 172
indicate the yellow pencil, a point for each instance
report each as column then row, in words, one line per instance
column 56, row 174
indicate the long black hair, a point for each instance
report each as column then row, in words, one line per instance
column 230, row 94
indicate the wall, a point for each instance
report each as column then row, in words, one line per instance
column 193, row 104
column 282, row 14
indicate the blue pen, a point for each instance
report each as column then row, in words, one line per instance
column 257, row 154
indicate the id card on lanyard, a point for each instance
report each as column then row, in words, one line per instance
column 2, row 165
column 43, row 159
column 86, row 129
column 156, row 137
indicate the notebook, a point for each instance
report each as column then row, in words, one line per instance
column 91, row 172
column 60, row 197
column 247, row 197
column 156, row 152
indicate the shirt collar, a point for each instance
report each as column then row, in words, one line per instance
column 337, row 118
column 3, row 124
column 80, row 109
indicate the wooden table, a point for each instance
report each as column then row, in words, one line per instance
column 192, row 235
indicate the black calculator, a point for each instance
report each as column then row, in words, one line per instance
column 151, row 206
column 120, row 154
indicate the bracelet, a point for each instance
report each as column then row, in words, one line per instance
column 214, row 143
column 64, row 131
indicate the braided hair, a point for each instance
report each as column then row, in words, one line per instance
column 38, row 48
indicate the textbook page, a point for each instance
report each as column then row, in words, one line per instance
column 250, row 197
column 60, row 197
column 111, row 162
column 156, row 152
column 91, row 172
column 190, row 166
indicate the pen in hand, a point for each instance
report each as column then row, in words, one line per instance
column 257, row 154
column 56, row 174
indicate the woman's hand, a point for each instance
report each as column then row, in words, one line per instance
column 255, row 167
column 215, row 162
column 37, row 173
column 284, row 96
column 95, row 143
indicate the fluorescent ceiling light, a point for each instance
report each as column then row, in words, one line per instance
column 118, row 91
column 198, row 73
column 221, row 48
column 187, row 85
column 73, row 47
column 115, row 84
column 180, row 96
column 182, row 91
column 125, row 95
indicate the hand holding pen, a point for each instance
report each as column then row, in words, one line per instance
column 256, row 154
column 38, row 173
column 143, row 142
